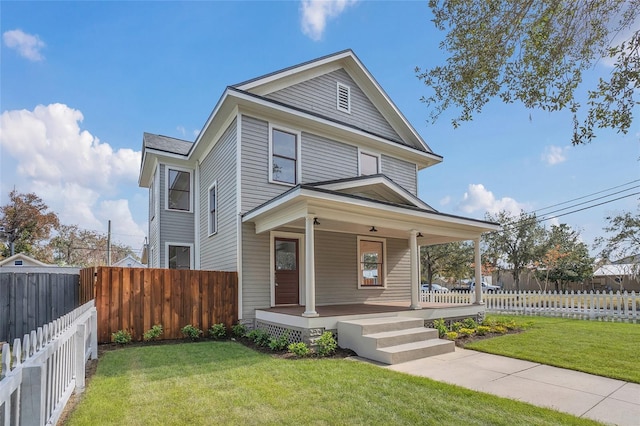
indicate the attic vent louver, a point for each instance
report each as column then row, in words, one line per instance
column 344, row 98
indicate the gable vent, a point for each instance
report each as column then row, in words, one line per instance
column 344, row 98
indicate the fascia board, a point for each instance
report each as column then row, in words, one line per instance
column 150, row 158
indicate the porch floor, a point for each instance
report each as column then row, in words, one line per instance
column 358, row 308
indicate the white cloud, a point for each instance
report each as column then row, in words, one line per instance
column 27, row 45
column 478, row 198
column 316, row 12
column 69, row 168
column 445, row 201
column 554, row 155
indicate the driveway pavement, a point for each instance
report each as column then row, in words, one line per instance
column 583, row 395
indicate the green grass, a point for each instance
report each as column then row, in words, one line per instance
column 226, row 383
column 607, row 349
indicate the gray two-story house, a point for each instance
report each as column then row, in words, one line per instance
column 305, row 182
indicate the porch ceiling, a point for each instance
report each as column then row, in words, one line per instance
column 338, row 212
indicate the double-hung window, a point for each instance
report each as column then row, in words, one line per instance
column 179, row 256
column 178, row 190
column 213, row 208
column 371, row 262
column 284, row 156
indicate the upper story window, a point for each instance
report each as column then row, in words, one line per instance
column 213, row 208
column 179, row 256
column 178, row 190
column 343, row 95
column 285, row 153
column 369, row 164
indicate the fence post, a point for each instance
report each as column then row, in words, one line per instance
column 94, row 333
column 33, row 394
column 80, row 341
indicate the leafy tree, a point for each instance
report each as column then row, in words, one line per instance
column 623, row 239
column 566, row 258
column 517, row 245
column 452, row 260
column 535, row 52
column 27, row 222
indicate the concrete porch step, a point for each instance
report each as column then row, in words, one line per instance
column 391, row 340
column 400, row 337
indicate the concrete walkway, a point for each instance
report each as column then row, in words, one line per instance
column 583, row 395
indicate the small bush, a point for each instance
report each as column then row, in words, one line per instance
column 469, row 323
column 509, row 324
column 456, row 326
column 121, row 337
column 482, row 330
column 299, row 349
column 451, row 335
column 326, row 344
column 464, row 332
column 499, row 329
column 259, row 336
column 279, row 343
column 441, row 326
column 218, row 331
column 153, row 333
column 239, row 330
column 191, row 332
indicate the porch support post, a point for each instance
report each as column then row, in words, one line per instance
column 310, row 272
column 478, row 275
column 415, row 270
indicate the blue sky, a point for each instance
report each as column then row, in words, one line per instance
column 81, row 81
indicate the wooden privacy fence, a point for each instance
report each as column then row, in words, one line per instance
column 39, row 372
column 135, row 299
column 30, row 299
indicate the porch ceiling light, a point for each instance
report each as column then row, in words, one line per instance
column 373, row 229
column 315, row 221
column 419, row 235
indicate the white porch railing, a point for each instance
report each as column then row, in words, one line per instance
column 449, row 297
column 583, row 305
column 39, row 373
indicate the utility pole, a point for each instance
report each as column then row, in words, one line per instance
column 109, row 244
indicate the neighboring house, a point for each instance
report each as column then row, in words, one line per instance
column 22, row 259
column 617, row 277
column 305, row 182
column 129, row 262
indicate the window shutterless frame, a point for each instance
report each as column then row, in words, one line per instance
column 284, row 155
column 179, row 189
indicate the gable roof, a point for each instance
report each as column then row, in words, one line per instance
column 30, row 261
column 129, row 261
column 347, row 60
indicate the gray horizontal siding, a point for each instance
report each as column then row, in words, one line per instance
column 256, row 282
column 177, row 227
column 319, row 95
column 337, row 271
column 154, row 229
column 219, row 251
column 401, row 172
column 325, row 159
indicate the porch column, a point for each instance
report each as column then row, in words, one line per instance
column 310, row 272
column 478, row 288
column 415, row 270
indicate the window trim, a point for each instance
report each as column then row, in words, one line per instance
column 372, row 154
column 338, row 107
column 153, row 190
column 298, row 136
column 383, row 266
column 213, row 224
column 178, row 244
column 167, row 170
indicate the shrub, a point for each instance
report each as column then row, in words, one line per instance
column 218, row 331
column 239, row 330
column 191, row 332
column 464, row 332
column 326, row 344
column 121, row 337
column 279, row 343
column 451, row 335
column 153, row 333
column 299, row 349
column 469, row 323
column 259, row 336
column 456, row 326
column 499, row 329
column 481, row 330
column 441, row 326
column 509, row 324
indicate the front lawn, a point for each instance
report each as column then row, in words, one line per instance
column 226, row 383
column 607, row 349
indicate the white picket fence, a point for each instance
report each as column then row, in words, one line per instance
column 39, row 372
column 583, row 305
